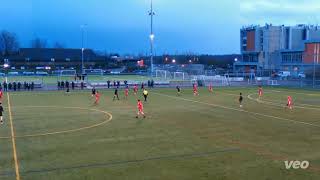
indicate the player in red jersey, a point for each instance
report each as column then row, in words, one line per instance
column 289, row 102
column 260, row 91
column 126, row 92
column 135, row 89
column 195, row 90
column 1, row 95
column 140, row 109
column 97, row 97
column 210, row 88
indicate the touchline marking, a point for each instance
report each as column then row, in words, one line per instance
column 308, row 94
column 65, row 131
column 279, row 105
column 15, row 156
column 241, row 110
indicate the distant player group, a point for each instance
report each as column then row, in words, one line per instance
column 96, row 94
column 260, row 94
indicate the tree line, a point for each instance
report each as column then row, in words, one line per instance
column 9, row 43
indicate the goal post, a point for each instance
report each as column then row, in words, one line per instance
column 273, row 83
column 163, row 74
column 64, row 72
column 180, row 75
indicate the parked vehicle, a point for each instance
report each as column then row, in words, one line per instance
column 14, row 73
column 284, row 74
column 26, row 73
column 301, row 75
column 41, row 73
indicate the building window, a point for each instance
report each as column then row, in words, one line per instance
column 304, row 34
column 27, row 59
column 68, row 59
column 52, row 59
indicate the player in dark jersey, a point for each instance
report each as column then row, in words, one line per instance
column 240, row 100
column 93, row 91
column 178, row 90
column 116, row 94
column 1, row 111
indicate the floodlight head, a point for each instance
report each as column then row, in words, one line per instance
column 152, row 37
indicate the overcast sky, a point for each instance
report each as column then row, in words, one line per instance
column 199, row 26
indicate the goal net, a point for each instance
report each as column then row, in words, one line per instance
column 213, row 80
column 65, row 72
column 180, row 76
column 163, row 74
column 273, row 83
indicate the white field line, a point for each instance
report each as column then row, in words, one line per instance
column 240, row 110
column 279, row 104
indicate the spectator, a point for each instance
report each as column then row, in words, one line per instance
column 82, row 85
column 108, row 84
column 10, row 86
column 5, row 86
column 32, row 86
column 25, row 85
column 72, row 85
column 62, row 84
column 19, row 86
column 67, row 84
column 149, row 83
column 14, row 84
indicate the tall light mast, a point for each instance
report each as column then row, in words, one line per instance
column 151, row 14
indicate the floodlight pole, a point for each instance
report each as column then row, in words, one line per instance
column 151, row 14
column 82, row 48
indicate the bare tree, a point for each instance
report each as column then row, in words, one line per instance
column 38, row 43
column 59, row 45
column 8, row 43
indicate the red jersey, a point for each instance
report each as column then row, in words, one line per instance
column 140, row 106
column 195, row 88
column 289, row 100
column 97, row 96
column 1, row 94
column 126, row 91
column 135, row 88
column 260, row 91
column 210, row 87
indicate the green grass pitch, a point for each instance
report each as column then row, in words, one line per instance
column 63, row 137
